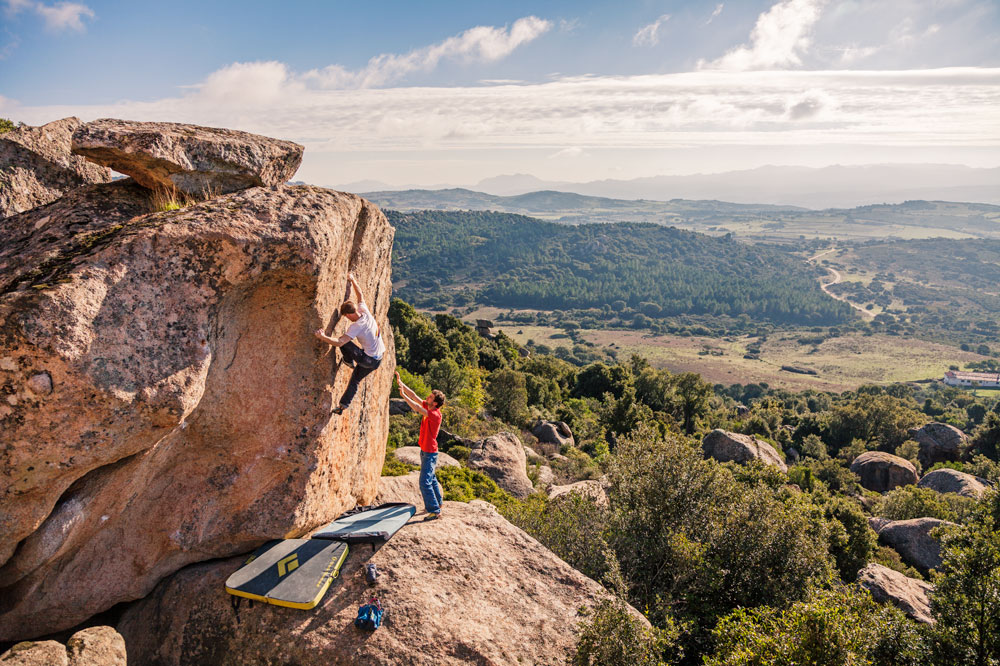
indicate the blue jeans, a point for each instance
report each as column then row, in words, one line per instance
column 430, row 489
column 364, row 365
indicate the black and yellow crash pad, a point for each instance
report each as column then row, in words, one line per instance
column 289, row 572
column 368, row 524
column 297, row 572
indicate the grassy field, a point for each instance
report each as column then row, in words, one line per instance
column 841, row 363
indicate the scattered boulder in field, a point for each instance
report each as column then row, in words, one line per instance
column 953, row 481
column 411, row 456
column 197, row 161
column 877, row 523
column 94, row 646
column 913, row 541
column 36, row 166
column 910, row 595
column 939, row 442
column 553, row 432
column 404, row 488
column 469, row 588
column 532, row 455
column 189, row 414
column 737, row 447
column 545, row 476
column 592, row 489
column 881, row 472
column 501, row 457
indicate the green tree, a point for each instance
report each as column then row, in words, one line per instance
column 445, row 375
column 966, row 598
column 6, row 125
column 693, row 392
column 507, row 396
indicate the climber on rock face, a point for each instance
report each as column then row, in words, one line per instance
column 364, row 359
column 430, row 410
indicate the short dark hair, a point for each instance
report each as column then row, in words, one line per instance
column 348, row 308
column 438, row 397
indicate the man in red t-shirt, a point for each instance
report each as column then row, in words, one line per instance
column 430, row 409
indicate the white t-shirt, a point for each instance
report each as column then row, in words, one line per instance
column 365, row 330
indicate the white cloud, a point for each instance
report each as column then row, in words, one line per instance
column 649, row 35
column 715, row 13
column 479, row 44
column 780, row 37
column 57, row 17
column 64, row 15
column 14, row 7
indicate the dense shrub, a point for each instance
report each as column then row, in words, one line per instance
column 832, row 628
column 908, row 502
column 613, row 636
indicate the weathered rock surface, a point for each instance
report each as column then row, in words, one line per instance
column 36, row 166
column 192, row 159
column 592, row 489
column 553, row 432
column 517, row 603
column 532, row 455
column 189, row 414
column 881, row 472
column 913, row 541
column 910, row 595
column 95, row 646
column 939, row 442
column 411, row 456
column 724, row 446
column 502, row 458
column 405, row 488
column 545, row 476
column 953, row 481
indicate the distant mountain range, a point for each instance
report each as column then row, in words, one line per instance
column 908, row 220
column 827, row 187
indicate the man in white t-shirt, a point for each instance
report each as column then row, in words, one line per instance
column 364, row 359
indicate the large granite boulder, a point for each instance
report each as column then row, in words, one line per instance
column 591, row 488
column 953, row 481
column 411, row 456
column 910, row 595
column 881, row 472
column 197, row 161
column 36, row 166
column 502, row 458
column 546, row 477
column 165, row 400
column 553, row 432
column 913, row 541
column 737, row 447
column 94, row 646
column 467, row 589
column 939, row 442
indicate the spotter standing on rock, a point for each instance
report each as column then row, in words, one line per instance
column 430, row 410
column 364, row 359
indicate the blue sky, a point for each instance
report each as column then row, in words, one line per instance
column 452, row 92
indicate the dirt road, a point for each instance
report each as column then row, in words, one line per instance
column 837, row 278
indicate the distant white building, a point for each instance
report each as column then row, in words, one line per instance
column 990, row 380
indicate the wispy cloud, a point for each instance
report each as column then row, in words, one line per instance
column 780, row 37
column 479, row 44
column 715, row 13
column 57, row 17
column 649, row 35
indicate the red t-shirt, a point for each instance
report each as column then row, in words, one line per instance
column 429, row 427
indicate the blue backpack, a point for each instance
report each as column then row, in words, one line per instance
column 369, row 616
